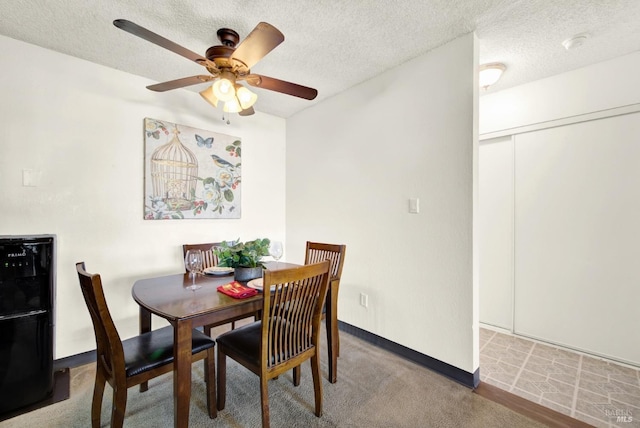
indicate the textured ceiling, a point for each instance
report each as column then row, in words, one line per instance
column 330, row 45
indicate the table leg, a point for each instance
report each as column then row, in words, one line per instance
column 145, row 320
column 181, row 373
column 333, row 341
column 145, row 326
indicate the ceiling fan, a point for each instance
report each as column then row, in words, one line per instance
column 228, row 64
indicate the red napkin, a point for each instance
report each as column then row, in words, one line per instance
column 237, row 290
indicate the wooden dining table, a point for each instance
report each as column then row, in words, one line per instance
column 168, row 297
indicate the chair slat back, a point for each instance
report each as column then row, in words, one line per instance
column 209, row 258
column 108, row 343
column 292, row 311
column 318, row 252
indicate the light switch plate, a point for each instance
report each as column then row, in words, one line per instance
column 30, row 178
column 414, row 205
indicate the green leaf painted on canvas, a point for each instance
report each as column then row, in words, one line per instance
column 228, row 195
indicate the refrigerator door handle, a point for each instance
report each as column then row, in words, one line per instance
column 22, row 315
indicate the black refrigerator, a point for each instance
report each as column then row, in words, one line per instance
column 27, row 299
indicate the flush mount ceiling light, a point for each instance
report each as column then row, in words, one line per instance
column 575, row 41
column 490, row 73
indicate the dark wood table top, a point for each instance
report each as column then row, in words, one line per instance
column 168, row 296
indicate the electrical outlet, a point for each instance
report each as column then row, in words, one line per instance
column 364, row 300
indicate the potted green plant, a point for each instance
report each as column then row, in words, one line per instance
column 244, row 257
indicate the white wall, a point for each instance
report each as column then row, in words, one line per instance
column 354, row 160
column 575, row 201
column 81, row 126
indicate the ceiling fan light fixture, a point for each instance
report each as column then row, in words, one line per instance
column 245, row 97
column 223, row 88
column 232, row 106
column 209, row 96
column 226, row 63
column 490, row 73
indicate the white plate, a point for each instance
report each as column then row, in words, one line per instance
column 218, row 270
column 258, row 284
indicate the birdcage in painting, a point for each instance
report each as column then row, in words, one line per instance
column 174, row 174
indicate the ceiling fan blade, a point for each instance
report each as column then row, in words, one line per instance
column 247, row 112
column 152, row 37
column 262, row 40
column 179, row 83
column 278, row 85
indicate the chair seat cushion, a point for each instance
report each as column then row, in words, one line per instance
column 155, row 349
column 245, row 341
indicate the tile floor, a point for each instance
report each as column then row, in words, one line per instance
column 593, row 390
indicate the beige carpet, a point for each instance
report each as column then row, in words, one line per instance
column 375, row 389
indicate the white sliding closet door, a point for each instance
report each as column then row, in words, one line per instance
column 496, row 232
column 577, row 236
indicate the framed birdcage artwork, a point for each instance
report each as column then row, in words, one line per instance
column 190, row 173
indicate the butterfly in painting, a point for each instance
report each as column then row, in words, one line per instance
column 155, row 134
column 202, row 142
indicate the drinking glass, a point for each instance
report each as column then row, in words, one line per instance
column 276, row 250
column 193, row 263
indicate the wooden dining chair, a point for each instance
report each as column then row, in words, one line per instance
column 335, row 253
column 286, row 336
column 136, row 360
column 209, row 259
